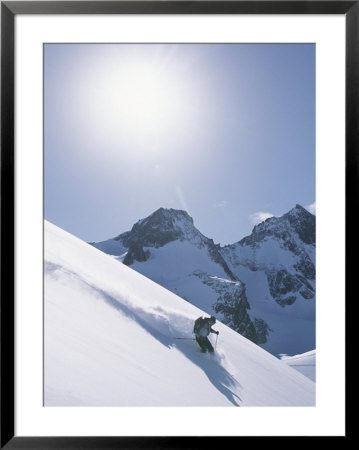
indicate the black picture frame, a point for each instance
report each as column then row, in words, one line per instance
column 9, row 9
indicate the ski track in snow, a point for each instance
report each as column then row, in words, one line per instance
column 111, row 339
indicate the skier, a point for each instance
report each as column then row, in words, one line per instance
column 202, row 328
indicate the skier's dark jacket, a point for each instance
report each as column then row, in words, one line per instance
column 202, row 327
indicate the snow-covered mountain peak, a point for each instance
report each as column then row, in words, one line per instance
column 303, row 222
column 161, row 227
column 277, row 264
column 154, row 231
column 298, row 210
column 298, row 220
column 166, row 216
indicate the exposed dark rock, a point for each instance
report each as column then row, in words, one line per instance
column 136, row 253
column 158, row 229
column 234, row 307
column 306, row 267
column 303, row 222
column 262, row 330
column 282, row 282
column 122, row 237
column 218, row 258
column 286, row 301
column 297, row 219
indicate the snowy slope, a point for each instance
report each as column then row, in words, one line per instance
column 110, row 339
column 305, row 363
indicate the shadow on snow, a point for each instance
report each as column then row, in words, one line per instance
column 162, row 326
column 215, row 372
column 210, row 364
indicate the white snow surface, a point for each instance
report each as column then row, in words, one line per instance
column 112, row 247
column 110, row 340
column 178, row 267
column 305, row 363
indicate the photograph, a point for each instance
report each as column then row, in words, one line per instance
column 179, row 202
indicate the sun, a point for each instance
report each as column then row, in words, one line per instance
column 146, row 100
column 145, row 96
column 142, row 99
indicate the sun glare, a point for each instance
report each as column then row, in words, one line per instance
column 146, row 101
column 144, row 96
column 142, row 99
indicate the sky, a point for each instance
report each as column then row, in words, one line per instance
column 223, row 131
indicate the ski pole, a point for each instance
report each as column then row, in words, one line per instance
column 187, row 339
column 216, row 341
